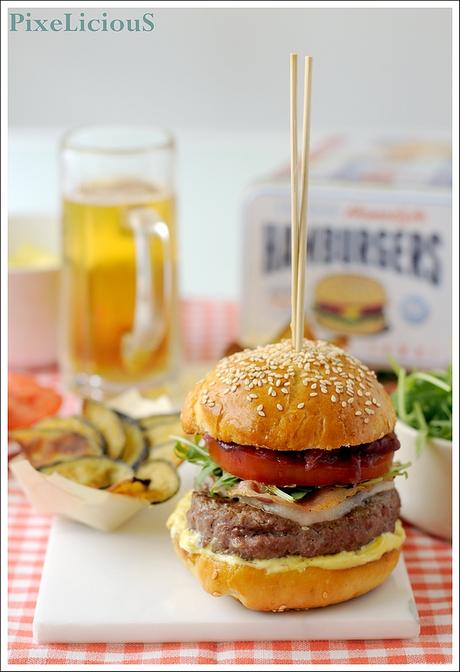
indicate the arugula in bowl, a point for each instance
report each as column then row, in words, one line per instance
column 423, row 400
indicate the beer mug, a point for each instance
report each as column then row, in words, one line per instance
column 119, row 281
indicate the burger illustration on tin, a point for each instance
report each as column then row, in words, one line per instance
column 350, row 304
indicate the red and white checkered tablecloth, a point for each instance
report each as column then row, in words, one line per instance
column 429, row 562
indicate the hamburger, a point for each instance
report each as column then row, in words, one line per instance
column 350, row 304
column 295, row 505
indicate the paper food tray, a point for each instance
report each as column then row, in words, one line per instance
column 55, row 494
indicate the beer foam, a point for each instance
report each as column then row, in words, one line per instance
column 120, row 191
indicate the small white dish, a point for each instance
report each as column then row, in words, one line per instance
column 426, row 494
column 33, row 294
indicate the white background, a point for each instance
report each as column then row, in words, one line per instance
column 219, row 79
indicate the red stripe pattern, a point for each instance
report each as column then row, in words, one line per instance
column 207, row 329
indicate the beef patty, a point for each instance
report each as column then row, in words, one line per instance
column 229, row 526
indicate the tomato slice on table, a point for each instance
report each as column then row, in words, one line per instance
column 29, row 402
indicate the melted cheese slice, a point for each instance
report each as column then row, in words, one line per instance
column 325, row 504
column 189, row 540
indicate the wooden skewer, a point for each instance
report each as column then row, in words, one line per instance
column 299, row 224
column 302, row 226
column 294, row 196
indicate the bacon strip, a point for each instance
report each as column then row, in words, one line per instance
column 322, row 505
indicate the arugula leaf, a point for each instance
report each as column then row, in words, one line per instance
column 300, row 493
column 192, row 451
column 397, row 469
column 274, row 490
column 423, row 400
column 290, row 494
column 195, row 452
column 225, row 481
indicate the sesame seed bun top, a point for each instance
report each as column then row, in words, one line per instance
column 346, row 288
column 278, row 398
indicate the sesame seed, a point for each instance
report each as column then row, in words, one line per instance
column 366, row 420
column 253, row 395
column 261, row 413
column 301, row 405
column 344, row 404
column 333, row 398
column 279, row 407
column 260, row 407
column 276, row 366
column 369, row 411
column 350, row 400
column 313, row 394
column 368, row 402
column 358, row 412
column 360, row 394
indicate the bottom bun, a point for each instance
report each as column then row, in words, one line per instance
column 294, row 589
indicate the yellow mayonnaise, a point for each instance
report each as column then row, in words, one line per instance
column 189, row 540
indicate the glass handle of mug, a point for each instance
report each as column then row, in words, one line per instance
column 150, row 320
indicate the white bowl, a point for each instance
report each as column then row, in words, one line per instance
column 33, row 295
column 426, row 495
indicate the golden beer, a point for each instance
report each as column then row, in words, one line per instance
column 121, row 317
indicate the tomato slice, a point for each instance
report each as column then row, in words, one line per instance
column 305, row 467
column 29, row 402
